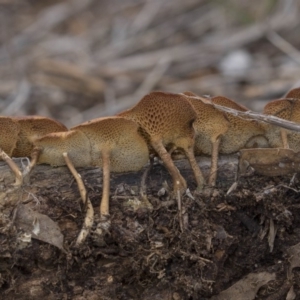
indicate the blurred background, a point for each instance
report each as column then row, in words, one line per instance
column 80, row 59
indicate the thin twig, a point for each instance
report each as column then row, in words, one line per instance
column 48, row 19
column 261, row 117
column 145, row 16
column 284, row 46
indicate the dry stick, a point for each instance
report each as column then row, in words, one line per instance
column 148, row 59
column 284, row 46
column 158, row 33
column 236, row 39
column 66, row 71
column 186, row 20
column 89, row 218
column 153, row 77
column 254, row 32
column 48, row 19
column 145, row 16
column 209, row 82
column 261, row 117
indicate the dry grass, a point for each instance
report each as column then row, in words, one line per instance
column 80, row 59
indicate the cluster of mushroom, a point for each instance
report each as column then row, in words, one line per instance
column 160, row 123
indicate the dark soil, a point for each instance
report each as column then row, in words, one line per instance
column 144, row 255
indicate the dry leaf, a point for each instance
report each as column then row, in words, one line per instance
column 246, row 288
column 39, row 226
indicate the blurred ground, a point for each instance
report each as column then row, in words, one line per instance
column 81, row 59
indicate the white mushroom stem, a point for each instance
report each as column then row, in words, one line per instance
column 89, row 217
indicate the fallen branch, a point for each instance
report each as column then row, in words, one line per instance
column 261, row 117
